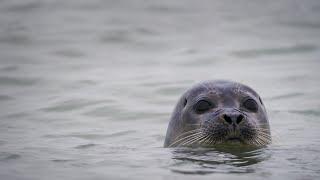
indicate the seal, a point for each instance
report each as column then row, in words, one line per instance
column 218, row 112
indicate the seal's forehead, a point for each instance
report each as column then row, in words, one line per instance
column 203, row 88
column 219, row 88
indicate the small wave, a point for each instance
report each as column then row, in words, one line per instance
column 303, row 25
column 91, row 136
column 286, row 96
column 116, row 36
column 170, row 90
column 5, row 98
column 165, row 83
column 303, row 48
column 17, row 81
column 306, row 112
column 69, row 53
column 207, row 161
column 61, row 160
column 7, row 156
column 71, row 105
column 24, row 7
column 104, row 111
column 15, row 39
column 10, row 68
column 199, row 62
column 85, row 146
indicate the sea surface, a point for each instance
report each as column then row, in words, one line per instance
column 87, row 87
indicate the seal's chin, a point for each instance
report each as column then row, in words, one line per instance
column 234, row 140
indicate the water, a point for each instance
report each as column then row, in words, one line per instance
column 87, row 87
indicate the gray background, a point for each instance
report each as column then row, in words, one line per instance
column 87, row 87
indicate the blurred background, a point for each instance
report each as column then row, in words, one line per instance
column 87, row 87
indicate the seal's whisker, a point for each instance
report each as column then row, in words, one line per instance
column 212, row 140
column 204, row 141
column 188, row 136
column 262, row 129
column 258, row 141
column 264, row 135
column 188, row 132
column 262, row 140
column 184, row 138
column 181, row 139
column 274, row 136
column 208, row 140
column 195, row 138
column 193, row 141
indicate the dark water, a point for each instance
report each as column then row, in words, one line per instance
column 87, row 87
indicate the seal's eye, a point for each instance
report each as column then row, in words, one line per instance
column 251, row 105
column 203, row 105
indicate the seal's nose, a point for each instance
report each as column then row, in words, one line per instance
column 234, row 118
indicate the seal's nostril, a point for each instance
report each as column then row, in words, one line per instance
column 227, row 118
column 239, row 118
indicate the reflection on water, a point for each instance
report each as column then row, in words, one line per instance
column 223, row 159
column 87, row 87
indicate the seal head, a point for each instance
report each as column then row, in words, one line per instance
column 218, row 112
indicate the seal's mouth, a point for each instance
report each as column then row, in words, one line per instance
column 234, row 140
column 216, row 135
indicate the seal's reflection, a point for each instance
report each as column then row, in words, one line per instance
column 220, row 159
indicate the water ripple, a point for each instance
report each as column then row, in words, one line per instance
column 218, row 160
column 71, row 105
column 286, row 96
column 10, row 68
column 85, row 146
column 24, row 7
column 8, row 157
column 306, row 112
column 15, row 39
column 69, row 53
column 5, row 98
column 92, row 136
column 174, row 90
column 17, row 81
column 302, row 48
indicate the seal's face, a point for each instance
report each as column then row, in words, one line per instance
column 217, row 112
